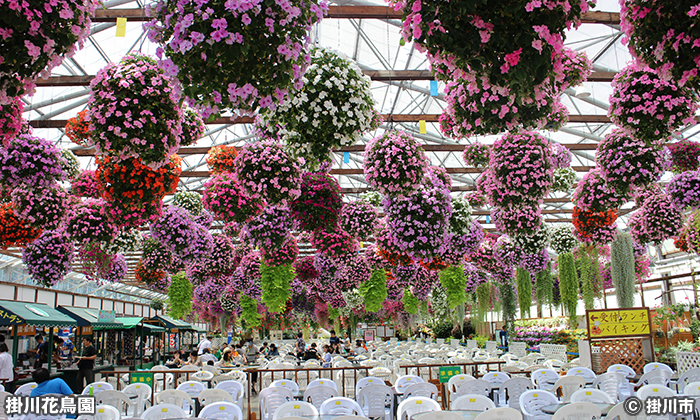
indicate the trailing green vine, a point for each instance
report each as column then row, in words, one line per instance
column 544, row 287
column 483, row 298
column 524, row 283
column 508, row 307
column 410, row 302
column 568, row 284
column 333, row 313
column 374, row 291
column 453, row 280
column 249, row 311
column 587, row 277
column 179, row 296
column 275, row 283
column 622, row 269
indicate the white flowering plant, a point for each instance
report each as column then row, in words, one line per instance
column 333, row 108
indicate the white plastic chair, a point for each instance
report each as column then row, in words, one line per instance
column 457, row 380
column 611, row 383
column 285, row 383
column 545, row 378
column 97, row 387
column 655, row 377
column 568, row 385
column 192, row 388
column 588, row 374
column 319, row 394
column 404, row 381
column 271, row 398
column 591, row 395
column 421, row 389
column 368, row 380
column 624, row 369
column 689, row 376
column 341, row 406
column 649, row 367
column 203, row 375
column 503, row 413
column 233, row 387
column 692, row 389
column 177, row 398
column 116, row 399
column 26, row 389
column 416, row 405
column 618, row 413
column 511, row 390
column 477, row 386
column 143, row 393
column 211, row 396
column 655, row 391
column 221, row 411
column 295, row 408
column 440, row 415
column 472, row 402
column 323, row 382
column 377, row 400
column 163, row 412
column 578, row 411
column 104, row 412
column 494, row 378
column 532, row 401
column 361, row 417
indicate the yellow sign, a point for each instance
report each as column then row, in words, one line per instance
column 421, row 126
column 613, row 323
column 121, row 27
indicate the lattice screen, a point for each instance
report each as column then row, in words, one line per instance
column 518, row 348
column 628, row 351
column 556, row 351
column 686, row 360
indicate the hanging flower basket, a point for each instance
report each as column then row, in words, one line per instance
column 685, row 155
column 334, row 108
column 190, row 201
column 263, row 42
column 85, row 185
column 517, row 220
column 594, row 195
column 358, row 218
column 267, row 172
column 45, row 208
column 175, row 230
column 476, row 154
column 42, row 33
column 656, row 221
column 90, row 222
column 78, row 129
column 647, row 105
column 128, row 240
column 305, row 269
column 561, row 156
column 684, row 190
column 48, row 259
column 270, row 228
column 134, row 112
column 563, row 239
column 30, row 161
column 287, row 254
column 335, row 243
column 13, row 230
column 11, row 121
column 116, row 270
column 225, row 198
column 156, row 280
column 221, row 159
column 595, row 227
column 564, row 180
column 394, row 163
column 155, row 256
column 319, row 204
column 193, row 128
column 69, row 165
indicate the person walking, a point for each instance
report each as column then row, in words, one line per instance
column 204, row 344
column 7, row 372
column 86, row 363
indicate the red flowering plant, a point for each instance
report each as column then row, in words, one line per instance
column 685, row 155
column 681, row 242
column 156, row 280
column 13, row 230
column 221, row 159
column 133, row 190
column 134, row 112
column 320, row 202
column 227, row 200
column 10, row 120
column 595, row 227
column 647, row 105
column 78, row 129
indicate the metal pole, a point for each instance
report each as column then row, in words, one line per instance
column 49, row 357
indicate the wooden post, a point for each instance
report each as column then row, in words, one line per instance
column 50, row 348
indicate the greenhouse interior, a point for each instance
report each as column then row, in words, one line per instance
column 321, row 209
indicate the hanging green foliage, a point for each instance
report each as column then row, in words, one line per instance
column 333, row 313
column 438, row 303
column 249, row 311
column 275, row 282
column 483, row 299
column 544, row 287
column 622, row 269
column 374, row 291
column 586, row 276
column 568, row 284
column 453, row 280
column 410, row 302
column 179, row 296
column 157, row 304
column 524, row 283
column 597, row 275
column 507, row 299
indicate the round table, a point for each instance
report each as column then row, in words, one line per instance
column 551, row 409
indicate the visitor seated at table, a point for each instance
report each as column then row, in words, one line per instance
column 359, row 349
column 274, row 351
column 207, row 357
column 194, row 360
column 312, row 353
column 227, row 359
column 46, row 385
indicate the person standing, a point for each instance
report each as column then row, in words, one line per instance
column 503, row 335
column 7, row 372
column 204, row 344
column 334, row 339
column 300, row 345
column 157, row 349
column 86, row 363
column 42, row 353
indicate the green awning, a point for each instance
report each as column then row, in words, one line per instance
column 89, row 317
column 129, row 323
column 199, row 330
column 33, row 314
column 173, row 323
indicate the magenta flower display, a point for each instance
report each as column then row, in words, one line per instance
column 175, row 230
column 117, row 269
column 94, row 261
column 438, row 177
column 30, row 161
column 155, row 257
column 394, row 163
column 249, row 266
column 320, row 202
column 577, row 68
column 43, row 33
column 201, row 248
column 305, row 269
column 264, row 42
column 476, row 154
column 286, row 254
column 516, row 220
column 534, row 263
column 354, row 272
column 10, row 120
column 267, row 172
column 270, row 228
column 419, row 222
column 561, row 156
column 208, row 291
column 594, row 194
column 625, row 161
column 225, row 198
column 48, row 258
column 134, row 112
column 685, row 155
column 684, row 190
column 89, row 222
column 193, row 127
column 656, row 221
column 374, row 260
column 221, row 261
column 475, row 277
column 204, row 219
column 522, row 167
column 334, row 243
column 198, row 272
column 45, row 208
column 648, row 105
column 358, row 218
column 85, row 185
